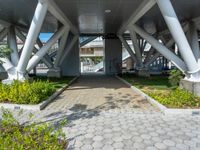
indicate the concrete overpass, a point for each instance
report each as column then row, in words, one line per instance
column 171, row 27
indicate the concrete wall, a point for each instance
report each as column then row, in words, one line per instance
column 71, row 64
column 113, row 56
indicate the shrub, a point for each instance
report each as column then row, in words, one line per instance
column 26, row 137
column 176, row 98
column 25, row 92
column 175, row 77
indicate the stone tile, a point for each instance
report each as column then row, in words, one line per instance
column 97, row 138
column 169, row 143
column 160, row 146
column 117, row 145
column 97, row 144
column 101, row 115
column 86, row 147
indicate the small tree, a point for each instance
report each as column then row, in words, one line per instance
column 175, row 77
column 4, row 52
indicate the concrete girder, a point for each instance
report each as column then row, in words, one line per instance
column 136, row 47
column 32, row 35
column 6, row 63
column 87, row 41
column 45, row 59
column 168, row 45
column 149, row 55
column 144, row 7
column 58, row 14
column 3, row 33
column 62, row 45
column 152, row 59
column 143, row 46
column 128, row 48
column 38, row 56
column 177, row 33
column 53, row 54
column 68, row 49
column 185, row 26
column 194, row 41
column 12, row 43
column 161, row 48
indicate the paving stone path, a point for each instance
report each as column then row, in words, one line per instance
column 104, row 114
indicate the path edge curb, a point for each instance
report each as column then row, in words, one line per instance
column 41, row 105
column 162, row 108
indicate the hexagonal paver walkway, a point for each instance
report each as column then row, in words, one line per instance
column 104, row 114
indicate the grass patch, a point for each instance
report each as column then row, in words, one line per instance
column 159, row 88
column 56, row 82
column 31, row 93
column 16, row 136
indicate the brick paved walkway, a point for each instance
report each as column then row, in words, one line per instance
column 104, row 114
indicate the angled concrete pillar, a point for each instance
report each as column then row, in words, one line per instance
column 12, row 43
column 62, row 45
column 128, row 48
column 56, row 70
column 168, row 45
column 32, row 35
column 40, row 54
column 7, row 64
column 194, row 41
column 149, row 55
column 155, row 56
column 136, row 47
column 46, row 60
column 161, row 48
column 192, row 79
column 90, row 39
column 3, row 33
column 177, row 32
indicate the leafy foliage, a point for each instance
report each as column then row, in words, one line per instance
column 4, row 51
column 25, row 92
column 177, row 98
column 56, row 82
column 15, row 136
column 175, row 77
column 159, row 88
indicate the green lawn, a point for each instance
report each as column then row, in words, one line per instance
column 153, row 82
column 56, row 82
column 159, row 88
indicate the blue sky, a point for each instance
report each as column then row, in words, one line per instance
column 44, row 37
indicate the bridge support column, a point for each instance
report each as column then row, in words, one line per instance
column 41, row 53
column 17, row 69
column 56, row 71
column 12, row 43
column 137, row 49
column 113, row 56
column 32, row 35
column 177, row 33
column 192, row 79
column 70, row 62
